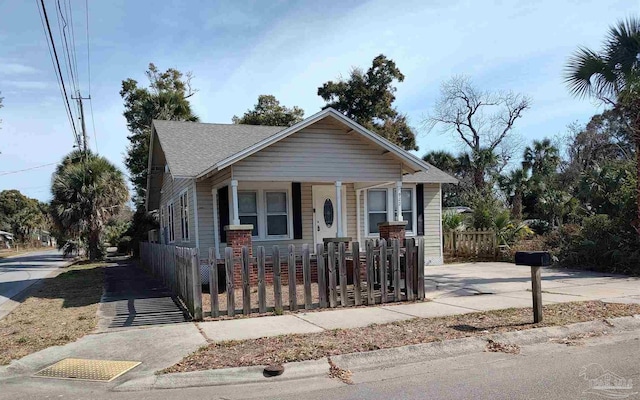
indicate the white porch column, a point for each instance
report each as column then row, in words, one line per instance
column 339, row 209
column 234, row 202
column 399, row 201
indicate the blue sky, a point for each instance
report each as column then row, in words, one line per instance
column 240, row 49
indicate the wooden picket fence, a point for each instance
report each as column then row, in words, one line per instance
column 178, row 268
column 482, row 242
column 383, row 273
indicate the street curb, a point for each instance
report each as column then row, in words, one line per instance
column 385, row 358
column 226, row 376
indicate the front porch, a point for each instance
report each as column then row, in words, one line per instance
column 289, row 212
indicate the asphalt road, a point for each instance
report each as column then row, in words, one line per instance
column 546, row 371
column 18, row 273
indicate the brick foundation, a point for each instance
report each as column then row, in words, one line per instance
column 393, row 230
column 239, row 236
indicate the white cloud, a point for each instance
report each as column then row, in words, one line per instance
column 28, row 85
column 8, row 68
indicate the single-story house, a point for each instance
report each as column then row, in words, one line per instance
column 324, row 177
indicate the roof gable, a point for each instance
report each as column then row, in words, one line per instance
column 416, row 163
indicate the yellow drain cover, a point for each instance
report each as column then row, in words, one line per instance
column 87, row 370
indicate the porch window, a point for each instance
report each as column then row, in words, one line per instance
column 277, row 214
column 184, row 216
column 170, row 218
column 248, row 210
column 407, row 207
column 376, row 209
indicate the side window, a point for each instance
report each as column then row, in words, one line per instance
column 184, row 215
column 170, row 216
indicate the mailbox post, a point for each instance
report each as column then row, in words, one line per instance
column 535, row 259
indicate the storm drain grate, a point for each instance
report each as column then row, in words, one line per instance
column 87, row 370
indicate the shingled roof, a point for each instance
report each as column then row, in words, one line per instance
column 433, row 174
column 192, row 147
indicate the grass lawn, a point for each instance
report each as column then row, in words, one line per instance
column 4, row 253
column 300, row 347
column 58, row 311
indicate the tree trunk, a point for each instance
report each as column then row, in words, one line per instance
column 516, row 207
column 636, row 223
column 95, row 252
column 478, row 178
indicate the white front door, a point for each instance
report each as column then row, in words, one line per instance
column 325, row 213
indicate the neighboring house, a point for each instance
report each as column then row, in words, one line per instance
column 6, row 239
column 325, row 177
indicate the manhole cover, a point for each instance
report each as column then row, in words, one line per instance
column 87, row 370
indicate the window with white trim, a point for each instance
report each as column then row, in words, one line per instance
column 379, row 210
column 170, row 221
column 407, row 207
column 248, row 210
column 376, row 209
column 184, row 216
column 277, row 214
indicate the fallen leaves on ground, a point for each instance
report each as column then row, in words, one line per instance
column 314, row 346
column 499, row 347
column 338, row 373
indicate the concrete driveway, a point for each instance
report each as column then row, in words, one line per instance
column 487, row 285
column 19, row 272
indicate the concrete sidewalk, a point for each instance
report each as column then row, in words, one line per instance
column 453, row 289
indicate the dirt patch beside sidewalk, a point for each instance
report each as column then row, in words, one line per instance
column 289, row 348
column 60, row 310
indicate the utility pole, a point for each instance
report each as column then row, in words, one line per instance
column 84, row 145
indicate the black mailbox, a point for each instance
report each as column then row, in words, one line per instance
column 533, row 258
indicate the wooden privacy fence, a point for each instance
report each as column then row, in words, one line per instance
column 344, row 276
column 481, row 242
column 178, row 268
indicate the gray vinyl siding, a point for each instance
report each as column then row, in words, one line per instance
column 206, row 195
column 171, row 191
column 322, row 152
column 205, row 216
column 432, row 224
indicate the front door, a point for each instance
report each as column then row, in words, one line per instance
column 325, row 213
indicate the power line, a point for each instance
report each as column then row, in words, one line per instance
column 56, row 61
column 73, row 43
column 2, row 173
column 93, row 121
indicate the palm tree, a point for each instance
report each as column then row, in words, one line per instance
column 542, row 158
column 612, row 75
column 87, row 192
column 514, row 186
column 442, row 160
